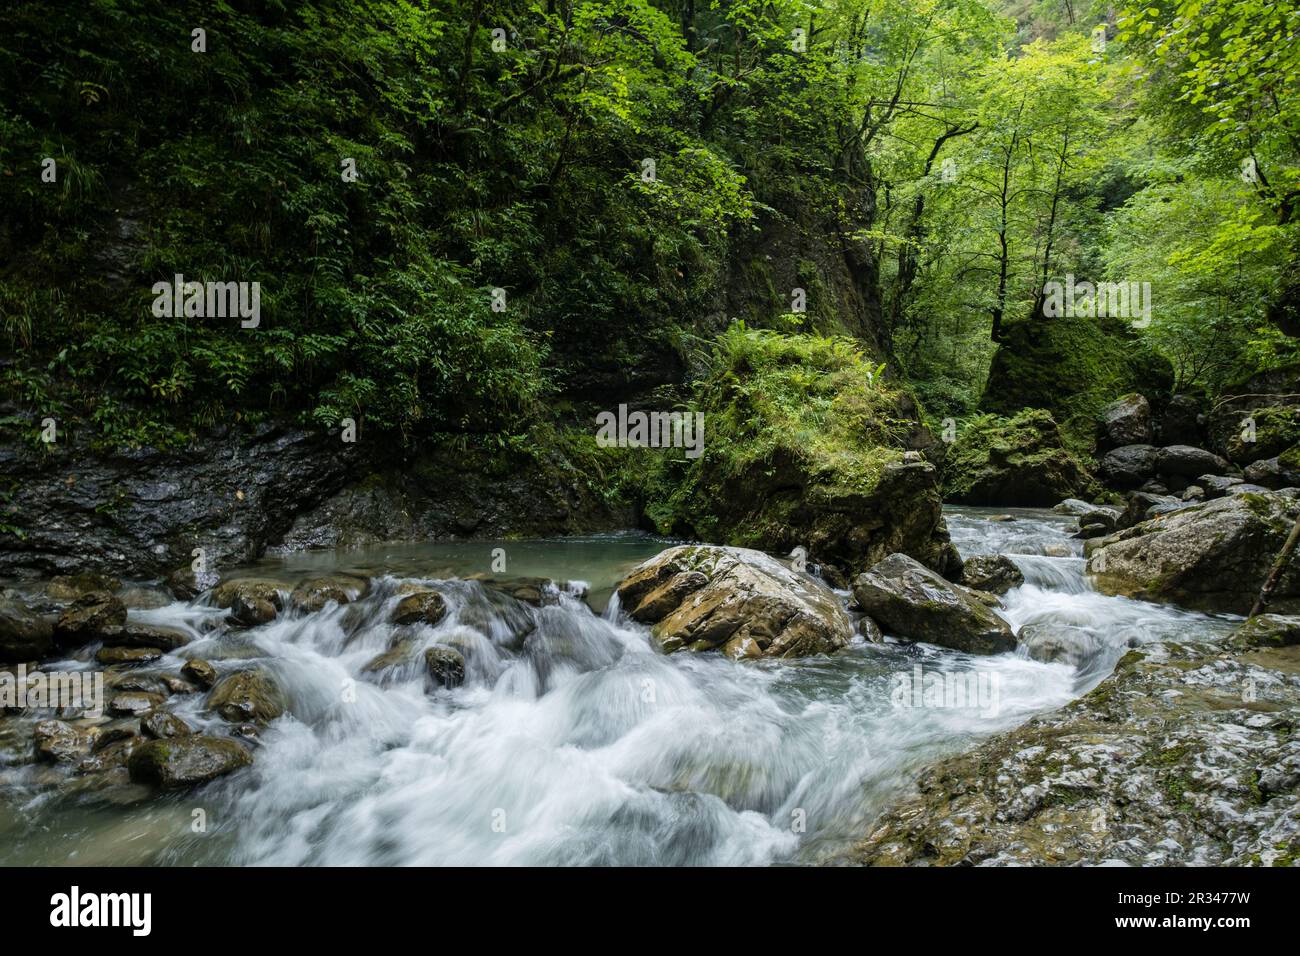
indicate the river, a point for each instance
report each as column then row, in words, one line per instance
column 577, row 743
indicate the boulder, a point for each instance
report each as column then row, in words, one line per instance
column 1272, row 472
column 994, row 573
column 1128, row 466
column 145, row 635
column 1012, row 461
column 88, row 618
column 247, row 696
column 163, row 725
column 446, row 666
column 1267, row 630
column 127, row 655
column 187, row 584
column 1143, row 505
column 200, row 672
column 1125, row 422
column 743, row 595
column 69, row 587
column 1216, row 486
column 1059, row 644
column 133, row 703
column 181, row 762
column 1188, row 461
column 909, row 600
column 1180, row 423
column 24, row 634
column 144, row 599
column 310, row 596
column 251, row 590
column 251, row 612
column 1214, row 556
column 58, row 742
column 422, row 607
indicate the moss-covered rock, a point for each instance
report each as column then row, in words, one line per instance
column 1020, row 460
column 804, row 446
column 1072, row 367
column 181, row 762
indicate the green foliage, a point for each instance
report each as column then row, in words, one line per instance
column 780, row 408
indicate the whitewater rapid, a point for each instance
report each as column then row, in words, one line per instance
column 572, row 740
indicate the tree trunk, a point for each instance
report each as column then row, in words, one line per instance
column 1279, row 568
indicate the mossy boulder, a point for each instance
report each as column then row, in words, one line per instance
column 805, row 445
column 312, row 595
column 703, row 597
column 178, row 763
column 1020, row 460
column 1073, row 367
column 89, row 618
column 1268, row 630
column 248, row 695
column 994, row 573
column 1213, row 556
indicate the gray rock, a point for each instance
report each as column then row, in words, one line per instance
column 310, row 596
column 88, row 618
column 909, row 600
column 1188, row 461
column 24, row 634
column 995, row 573
column 746, row 596
column 187, row 584
column 1213, row 556
column 1180, row 423
column 1126, row 422
column 1216, row 486
column 1129, row 465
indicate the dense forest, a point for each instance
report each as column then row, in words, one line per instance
column 475, row 224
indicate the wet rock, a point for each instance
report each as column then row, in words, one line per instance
column 69, row 587
column 446, row 666
column 146, row 683
column 1268, row 630
column 1189, row 461
column 201, row 672
column 1216, row 486
column 908, row 600
column 114, row 757
column 133, row 703
column 144, row 599
column 127, row 656
column 1128, row 466
column 1058, row 643
column 178, row 685
column 251, row 612
column 57, row 742
column 115, row 732
column 1126, row 422
column 183, row 762
column 1162, row 764
column 1213, row 556
column 163, row 725
column 869, row 630
column 187, row 584
column 24, row 634
column 748, row 594
column 145, row 635
column 422, row 607
column 995, row 573
column 1021, row 460
column 311, row 596
column 1180, row 423
column 247, row 696
column 88, row 618
column 251, row 601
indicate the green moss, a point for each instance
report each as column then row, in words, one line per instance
column 1277, row 430
column 795, row 421
column 1017, row 460
column 1072, row 367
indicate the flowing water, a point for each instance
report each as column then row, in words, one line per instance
column 572, row 741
